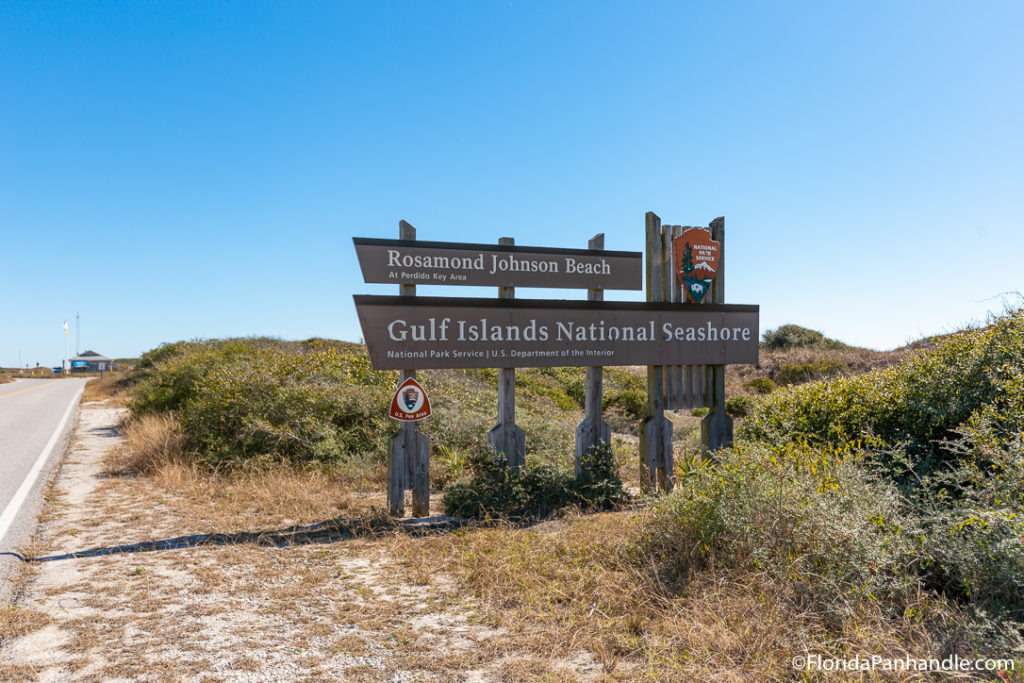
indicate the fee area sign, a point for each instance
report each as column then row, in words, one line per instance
column 442, row 332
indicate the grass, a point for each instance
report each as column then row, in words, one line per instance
column 109, row 386
column 579, row 583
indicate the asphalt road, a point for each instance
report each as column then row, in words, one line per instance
column 36, row 416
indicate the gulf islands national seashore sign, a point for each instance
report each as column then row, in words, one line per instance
column 447, row 332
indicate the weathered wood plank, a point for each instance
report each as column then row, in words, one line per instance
column 409, row 449
column 593, row 430
column 506, row 437
column 655, row 431
column 716, row 427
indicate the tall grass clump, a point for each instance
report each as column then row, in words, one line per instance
column 152, row 441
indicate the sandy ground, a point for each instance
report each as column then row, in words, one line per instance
column 234, row 612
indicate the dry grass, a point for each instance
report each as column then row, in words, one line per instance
column 106, row 387
column 16, row 621
column 770, row 361
column 152, row 442
column 566, row 586
column 269, row 498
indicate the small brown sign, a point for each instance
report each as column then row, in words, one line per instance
column 410, row 402
column 696, row 261
column 444, row 332
column 413, row 262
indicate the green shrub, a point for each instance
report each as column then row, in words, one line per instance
column 972, row 539
column 738, row 406
column 919, row 403
column 633, row 402
column 308, row 407
column 810, row 518
column 321, row 401
column 494, row 491
column 700, row 412
column 903, row 487
column 794, row 336
column 761, row 385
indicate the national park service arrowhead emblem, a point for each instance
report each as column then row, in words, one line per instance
column 696, row 261
column 410, row 402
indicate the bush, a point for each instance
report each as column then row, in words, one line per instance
column 284, row 406
column 810, row 518
column 919, row 403
column 633, row 402
column 738, row 406
column 902, row 485
column 494, row 491
column 761, row 385
column 972, row 539
column 794, row 336
column 321, row 402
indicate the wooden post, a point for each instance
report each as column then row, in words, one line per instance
column 716, row 426
column 506, row 437
column 655, row 431
column 592, row 431
column 409, row 448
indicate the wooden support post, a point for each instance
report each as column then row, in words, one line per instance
column 656, row 464
column 506, row 437
column 409, row 448
column 592, row 431
column 716, row 426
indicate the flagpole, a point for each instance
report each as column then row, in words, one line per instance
column 67, row 362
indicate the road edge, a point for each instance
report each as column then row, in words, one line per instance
column 39, row 477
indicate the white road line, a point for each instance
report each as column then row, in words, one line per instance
column 12, row 508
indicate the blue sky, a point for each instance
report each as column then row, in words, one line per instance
column 182, row 170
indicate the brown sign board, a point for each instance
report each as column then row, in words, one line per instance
column 445, row 332
column 414, row 262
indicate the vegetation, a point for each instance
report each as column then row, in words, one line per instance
column 319, row 403
column 496, row 491
column 860, row 512
column 794, row 336
column 902, row 482
column 799, row 373
column 760, row 385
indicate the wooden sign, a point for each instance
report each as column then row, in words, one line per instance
column 414, row 262
column 696, row 261
column 445, row 332
column 410, row 402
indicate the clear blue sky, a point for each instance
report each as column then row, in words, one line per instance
column 174, row 170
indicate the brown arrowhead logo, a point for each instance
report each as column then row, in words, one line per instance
column 410, row 402
column 696, row 261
